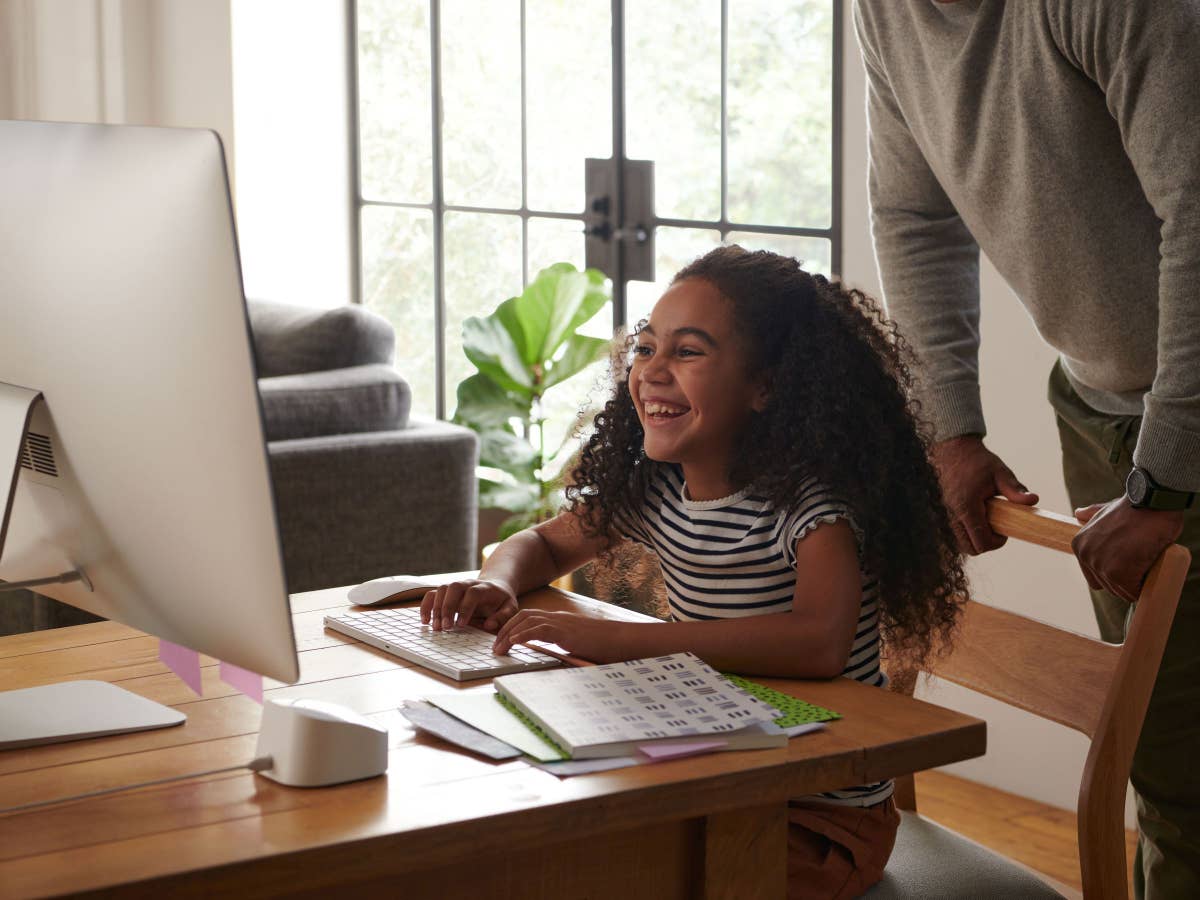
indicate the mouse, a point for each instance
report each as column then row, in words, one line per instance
column 314, row 743
column 389, row 590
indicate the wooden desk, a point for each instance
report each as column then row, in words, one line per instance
column 441, row 823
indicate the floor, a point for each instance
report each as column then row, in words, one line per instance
column 1040, row 836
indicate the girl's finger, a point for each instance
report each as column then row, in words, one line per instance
column 514, row 622
column 427, row 602
column 524, row 628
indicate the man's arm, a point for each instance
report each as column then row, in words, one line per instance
column 1144, row 58
column 929, row 266
column 928, row 260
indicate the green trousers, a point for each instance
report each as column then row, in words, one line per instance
column 1096, row 454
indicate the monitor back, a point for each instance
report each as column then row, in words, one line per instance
column 121, row 302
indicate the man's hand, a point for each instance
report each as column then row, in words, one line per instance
column 970, row 474
column 1118, row 544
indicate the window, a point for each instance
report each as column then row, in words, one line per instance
column 474, row 118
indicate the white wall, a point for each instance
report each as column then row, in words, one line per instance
column 293, row 160
column 1026, row 755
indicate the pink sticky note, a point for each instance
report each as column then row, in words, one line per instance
column 659, row 752
column 249, row 683
column 183, row 662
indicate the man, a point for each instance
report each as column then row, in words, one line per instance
column 1061, row 136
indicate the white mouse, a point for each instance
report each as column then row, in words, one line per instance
column 312, row 743
column 389, row 590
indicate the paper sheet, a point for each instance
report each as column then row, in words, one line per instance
column 481, row 710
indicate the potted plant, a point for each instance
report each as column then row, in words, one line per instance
column 525, row 348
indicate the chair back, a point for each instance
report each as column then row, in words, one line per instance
column 1099, row 689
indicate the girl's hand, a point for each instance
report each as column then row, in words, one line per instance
column 493, row 600
column 599, row 640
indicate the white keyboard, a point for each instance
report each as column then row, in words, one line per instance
column 461, row 654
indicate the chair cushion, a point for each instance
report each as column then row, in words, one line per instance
column 290, row 339
column 933, row 863
column 341, row 401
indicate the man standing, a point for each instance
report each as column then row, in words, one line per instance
column 1062, row 137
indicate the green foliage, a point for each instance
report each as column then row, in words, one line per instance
column 524, row 348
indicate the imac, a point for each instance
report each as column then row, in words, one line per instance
column 133, row 470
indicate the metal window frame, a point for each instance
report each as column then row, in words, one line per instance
column 438, row 207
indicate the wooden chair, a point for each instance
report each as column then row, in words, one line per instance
column 1099, row 689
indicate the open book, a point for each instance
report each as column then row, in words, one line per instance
column 612, row 710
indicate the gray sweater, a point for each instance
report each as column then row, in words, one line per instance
column 1062, row 137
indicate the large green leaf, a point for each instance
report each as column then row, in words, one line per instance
column 555, row 303
column 483, row 404
column 501, row 449
column 490, row 346
column 509, row 316
column 580, row 352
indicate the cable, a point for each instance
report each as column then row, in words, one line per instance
column 255, row 765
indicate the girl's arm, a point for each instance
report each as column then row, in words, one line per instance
column 811, row 641
column 526, row 560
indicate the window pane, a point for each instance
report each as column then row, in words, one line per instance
column 397, row 247
column 673, row 98
column 569, row 97
column 554, row 240
column 813, row 253
column 780, row 112
column 394, row 100
column 483, row 269
column 674, row 248
column 481, row 95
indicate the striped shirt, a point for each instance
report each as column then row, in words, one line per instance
column 736, row 557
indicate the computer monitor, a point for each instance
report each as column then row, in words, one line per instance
column 129, row 414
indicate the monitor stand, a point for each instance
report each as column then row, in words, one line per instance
column 71, row 710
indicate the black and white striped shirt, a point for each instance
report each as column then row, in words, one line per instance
column 736, row 557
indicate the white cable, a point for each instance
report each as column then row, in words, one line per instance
column 255, row 765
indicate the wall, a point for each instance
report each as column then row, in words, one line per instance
column 293, row 161
column 1026, row 755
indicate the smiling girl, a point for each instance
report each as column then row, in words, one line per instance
column 764, row 446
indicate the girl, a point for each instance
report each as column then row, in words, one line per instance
column 763, row 445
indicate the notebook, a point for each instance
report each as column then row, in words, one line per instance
column 614, row 709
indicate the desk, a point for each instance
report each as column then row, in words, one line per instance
column 441, row 823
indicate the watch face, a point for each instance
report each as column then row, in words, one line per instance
column 1137, row 487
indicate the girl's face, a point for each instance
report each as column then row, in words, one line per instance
column 690, row 385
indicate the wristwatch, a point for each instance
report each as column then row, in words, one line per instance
column 1146, row 493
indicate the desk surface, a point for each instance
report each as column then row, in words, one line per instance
column 436, row 812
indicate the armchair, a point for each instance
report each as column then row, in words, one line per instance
column 361, row 489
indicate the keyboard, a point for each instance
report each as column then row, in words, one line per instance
column 462, row 653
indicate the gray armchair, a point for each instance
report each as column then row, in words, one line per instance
column 361, row 489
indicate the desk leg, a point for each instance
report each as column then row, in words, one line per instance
column 745, row 854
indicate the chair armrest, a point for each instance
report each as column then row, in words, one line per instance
column 289, row 339
column 362, row 506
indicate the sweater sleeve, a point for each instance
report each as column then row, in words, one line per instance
column 928, row 260
column 1145, row 59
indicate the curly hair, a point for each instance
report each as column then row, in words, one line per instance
column 840, row 408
